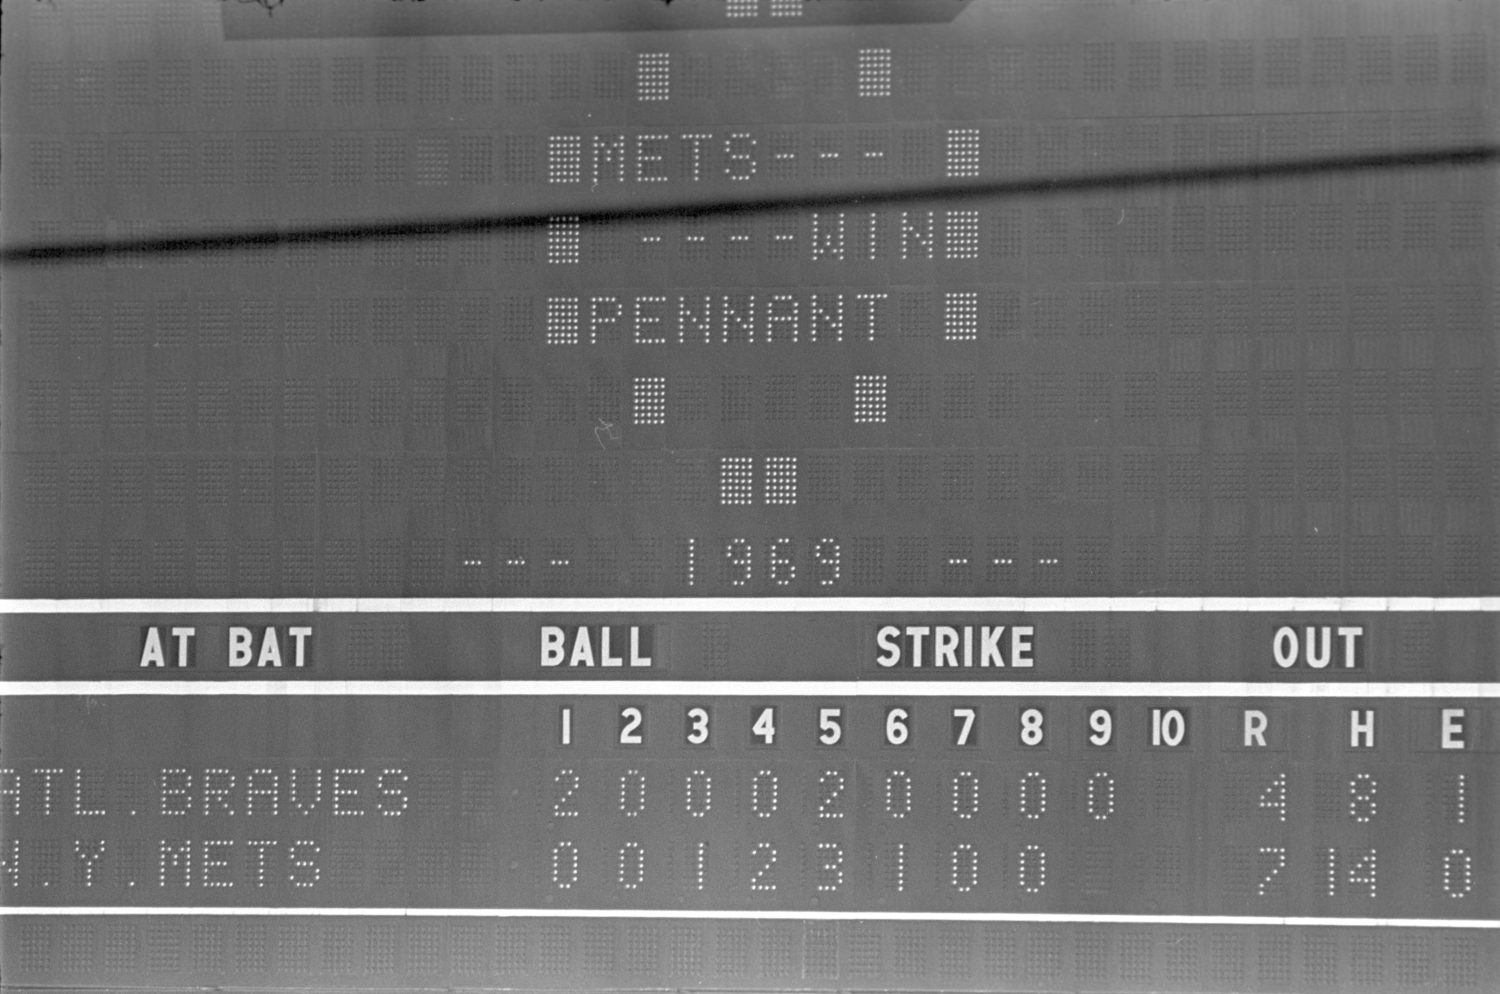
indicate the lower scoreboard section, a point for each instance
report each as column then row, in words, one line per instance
column 564, row 835
column 1053, row 808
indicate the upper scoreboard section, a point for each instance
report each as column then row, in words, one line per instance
column 795, row 310
column 413, row 18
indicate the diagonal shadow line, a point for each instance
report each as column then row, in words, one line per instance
column 260, row 238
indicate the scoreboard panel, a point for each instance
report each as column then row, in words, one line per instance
column 891, row 802
column 749, row 495
column 1248, row 796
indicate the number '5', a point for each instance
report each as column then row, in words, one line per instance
column 830, row 725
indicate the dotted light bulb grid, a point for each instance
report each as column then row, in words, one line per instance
column 649, row 400
column 960, row 316
column 1458, row 873
column 632, row 793
column 964, row 868
column 565, row 159
column 961, row 153
column 698, row 791
column 898, row 794
column 781, row 480
column 966, row 794
column 737, row 480
column 1099, row 796
column 564, row 240
column 1033, row 795
column 765, row 793
column 765, row 859
column 1278, row 859
column 874, row 72
column 700, row 865
column 1362, row 804
column 564, row 865
column 88, row 858
column 870, row 398
column 562, row 321
column 961, row 235
column 830, row 861
column 835, row 780
column 632, row 869
column 653, row 76
column 1032, row 872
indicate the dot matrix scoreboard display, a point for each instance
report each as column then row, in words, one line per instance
column 750, row 495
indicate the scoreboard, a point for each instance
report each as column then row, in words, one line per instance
column 750, row 495
column 703, row 795
column 960, row 770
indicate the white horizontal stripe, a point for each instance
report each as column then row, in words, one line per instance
column 777, row 914
column 801, row 605
column 168, row 687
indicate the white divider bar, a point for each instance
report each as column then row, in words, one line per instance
column 738, row 688
column 778, row 914
column 700, row 605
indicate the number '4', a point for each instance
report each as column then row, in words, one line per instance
column 1273, row 798
column 764, row 728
